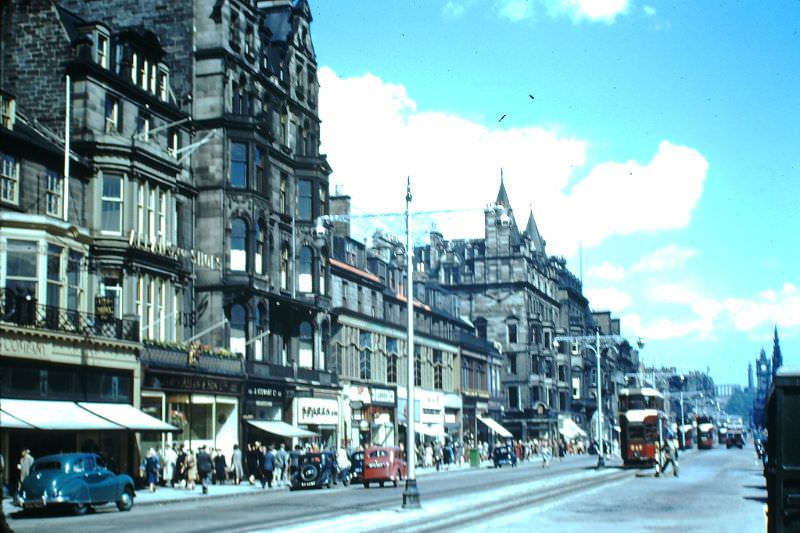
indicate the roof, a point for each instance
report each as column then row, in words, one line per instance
column 354, row 270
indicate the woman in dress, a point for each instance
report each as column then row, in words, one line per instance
column 191, row 469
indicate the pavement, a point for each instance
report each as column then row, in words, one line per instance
column 166, row 495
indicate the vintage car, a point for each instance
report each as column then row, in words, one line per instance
column 503, row 454
column 382, row 464
column 74, row 480
column 311, row 470
column 357, row 466
column 735, row 438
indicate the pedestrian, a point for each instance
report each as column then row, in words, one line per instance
column 152, row 466
column 24, row 465
column 170, row 460
column 284, row 456
column 268, row 466
column 342, row 463
column 280, row 464
column 547, row 453
column 253, row 462
column 670, row 457
column 190, row 469
column 236, row 465
column 179, row 475
column 204, row 468
column 220, row 467
column 438, row 452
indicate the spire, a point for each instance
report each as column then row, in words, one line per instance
column 502, row 196
column 532, row 232
column 777, row 356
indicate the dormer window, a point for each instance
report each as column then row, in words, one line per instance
column 102, row 56
column 7, row 111
column 143, row 68
column 134, row 66
column 9, row 179
column 112, row 115
column 144, row 124
column 174, row 142
column 163, row 83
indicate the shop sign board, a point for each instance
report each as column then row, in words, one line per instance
column 383, row 396
column 317, row 411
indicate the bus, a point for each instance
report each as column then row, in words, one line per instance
column 642, row 421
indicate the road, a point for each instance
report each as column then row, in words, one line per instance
column 716, row 488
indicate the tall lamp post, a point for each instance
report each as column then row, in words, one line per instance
column 593, row 343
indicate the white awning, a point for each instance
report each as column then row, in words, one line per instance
column 431, row 430
column 277, row 427
column 10, row 422
column 45, row 414
column 570, row 429
column 494, row 426
column 127, row 416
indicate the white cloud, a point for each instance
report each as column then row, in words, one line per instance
column 375, row 137
column 593, row 10
column 662, row 328
column 650, row 11
column 668, row 258
column 768, row 308
column 608, row 298
column 606, row 271
column 456, row 8
column 673, row 293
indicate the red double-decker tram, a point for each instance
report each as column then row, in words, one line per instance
column 642, row 422
column 706, row 432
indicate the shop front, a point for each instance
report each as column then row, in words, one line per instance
column 266, row 405
column 428, row 414
column 319, row 416
column 369, row 415
column 453, row 409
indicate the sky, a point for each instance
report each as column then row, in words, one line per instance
column 656, row 144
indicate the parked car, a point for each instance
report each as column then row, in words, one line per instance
column 357, row 467
column 503, row 454
column 74, row 480
column 311, row 470
column 735, row 438
column 382, row 464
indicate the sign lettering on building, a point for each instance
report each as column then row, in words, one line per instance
column 265, row 392
column 317, row 411
column 22, row 347
column 104, row 307
column 384, row 396
column 192, row 383
column 160, row 246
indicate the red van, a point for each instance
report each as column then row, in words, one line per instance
column 383, row 463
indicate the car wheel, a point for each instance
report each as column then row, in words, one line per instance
column 80, row 509
column 366, row 484
column 125, row 501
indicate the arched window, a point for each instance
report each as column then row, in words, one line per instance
column 261, row 328
column 238, row 335
column 261, row 251
column 306, row 348
column 323, row 269
column 238, row 244
column 304, row 280
column 285, row 267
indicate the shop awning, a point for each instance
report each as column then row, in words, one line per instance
column 52, row 415
column 494, row 426
column 10, row 422
column 127, row 416
column 276, row 427
column 570, row 429
column 431, row 430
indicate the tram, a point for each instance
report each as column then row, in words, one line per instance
column 642, row 421
column 706, row 432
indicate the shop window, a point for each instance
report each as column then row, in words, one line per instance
column 238, row 244
column 306, row 345
column 238, row 170
column 305, row 276
column 238, row 335
column 304, row 200
column 9, row 179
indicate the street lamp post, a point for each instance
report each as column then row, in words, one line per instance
column 411, row 493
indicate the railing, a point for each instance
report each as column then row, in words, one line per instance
column 22, row 310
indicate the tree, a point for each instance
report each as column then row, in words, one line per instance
column 777, row 357
column 740, row 403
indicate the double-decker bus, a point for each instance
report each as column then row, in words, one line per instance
column 706, row 432
column 642, row 421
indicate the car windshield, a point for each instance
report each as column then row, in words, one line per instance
column 42, row 466
column 378, row 453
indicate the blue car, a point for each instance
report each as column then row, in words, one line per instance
column 76, row 481
column 311, row 470
column 504, row 455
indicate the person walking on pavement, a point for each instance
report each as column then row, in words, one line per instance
column 179, row 475
column 190, row 469
column 670, row 457
column 268, row 466
column 204, row 468
column 284, row 457
column 170, row 460
column 438, row 451
column 151, row 468
column 253, row 462
column 236, row 464
column 220, row 467
column 24, row 466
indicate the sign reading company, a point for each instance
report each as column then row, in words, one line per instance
column 317, row 411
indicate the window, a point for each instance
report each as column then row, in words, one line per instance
column 513, row 397
column 417, row 367
column 480, row 328
column 7, row 111
column 323, row 200
column 113, row 115
column 285, row 267
column 238, row 342
column 576, row 387
column 562, row 373
column 163, row 85
column 512, row 332
column 140, row 202
column 54, row 276
column 365, row 364
column 9, row 179
column 238, row 171
column 261, row 332
column 173, row 142
column 304, row 200
column 144, row 66
column 248, row 41
column 323, row 268
column 134, row 66
column 144, row 124
column 111, row 288
column 304, row 278
column 54, row 192
column 283, row 199
column 261, row 252
column 102, row 51
column 284, row 133
column 260, row 169
column 438, row 371
column 547, row 340
column 112, row 204
column 234, row 35
column 151, row 213
column 306, row 345
column 238, row 244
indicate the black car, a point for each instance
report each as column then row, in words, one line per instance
column 735, row 439
column 311, row 470
column 503, row 454
column 357, row 467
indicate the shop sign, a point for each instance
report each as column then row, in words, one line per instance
column 23, row 347
column 383, row 396
column 449, row 418
column 357, row 393
column 265, row 391
column 104, row 308
column 161, row 247
column 317, row 411
column 192, row 383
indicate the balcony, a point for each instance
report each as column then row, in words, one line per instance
column 200, row 362
column 23, row 311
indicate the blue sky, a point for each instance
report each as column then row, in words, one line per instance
column 661, row 137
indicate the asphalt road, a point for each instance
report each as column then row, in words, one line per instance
column 568, row 496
